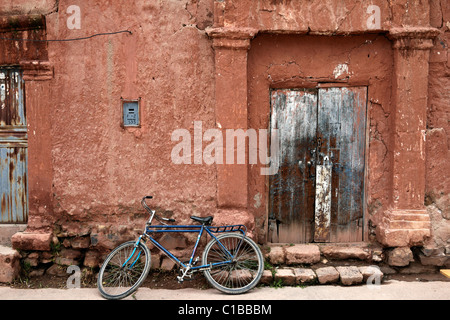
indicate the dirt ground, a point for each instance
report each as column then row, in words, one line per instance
column 155, row 279
column 167, row 280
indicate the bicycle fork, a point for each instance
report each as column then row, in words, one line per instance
column 132, row 254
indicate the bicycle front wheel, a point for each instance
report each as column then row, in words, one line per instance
column 123, row 270
column 244, row 268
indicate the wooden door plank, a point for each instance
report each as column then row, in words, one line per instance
column 328, row 130
column 342, row 123
column 321, row 201
column 18, row 174
column 359, row 98
column 4, row 185
column 322, row 212
column 13, row 148
column 293, row 115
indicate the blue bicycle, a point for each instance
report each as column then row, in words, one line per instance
column 231, row 262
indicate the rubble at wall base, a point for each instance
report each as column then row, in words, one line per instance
column 287, row 264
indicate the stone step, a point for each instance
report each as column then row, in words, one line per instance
column 299, row 264
column 294, row 254
column 345, row 275
column 9, row 264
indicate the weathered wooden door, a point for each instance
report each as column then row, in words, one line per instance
column 13, row 148
column 318, row 193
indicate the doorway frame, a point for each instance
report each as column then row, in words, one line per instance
column 317, row 86
column 408, row 51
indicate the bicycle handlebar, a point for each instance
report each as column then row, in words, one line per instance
column 153, row 212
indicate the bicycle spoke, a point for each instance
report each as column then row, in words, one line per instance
column 123, row 270
column 240, row 273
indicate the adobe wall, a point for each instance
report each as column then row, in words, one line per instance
column 100, row 170
column 437, row 197
column 87, row 174
column 206, row 61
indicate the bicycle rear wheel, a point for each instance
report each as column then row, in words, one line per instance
column 245, row 269
column 123, row 270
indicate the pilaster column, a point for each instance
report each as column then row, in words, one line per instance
column 407, row 222
column 231, row 46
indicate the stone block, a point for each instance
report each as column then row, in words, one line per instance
column 435, row 260
column 68, row 257
column 416, row 237
column 402, row 228
column 327, row 275
column 32, row 241
column 91, row 259
column 70, row 253
column 286, row 275
column 9, row 264
column 80, row 242
column 392, row 238
column 400, row 257
column 155, row 261
column 302, row 254
column 46, row 257
column 105, row 240
column 276, row 255
column 267, row 277
column 167, row 264
column 342, row 253
column 372, row 272
column 32, row 259
column 304, row 275
column 350, row 275
column 57, row 270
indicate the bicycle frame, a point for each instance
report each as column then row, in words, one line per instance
column 239, row 254
column 200, row 229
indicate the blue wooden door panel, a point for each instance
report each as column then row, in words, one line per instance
column 318, row 193
column 341, row 130
column 291, row 195
column 13, row 148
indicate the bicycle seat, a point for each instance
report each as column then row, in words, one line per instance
column 204, row 220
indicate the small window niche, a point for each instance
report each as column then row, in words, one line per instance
column 131, row 116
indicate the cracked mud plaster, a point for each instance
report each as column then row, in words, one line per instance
column 340, row 69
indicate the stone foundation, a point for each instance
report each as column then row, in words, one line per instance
column 9, row 264
column 346, row 264
column 289, row 264
column 401, row 228
column 236, row 52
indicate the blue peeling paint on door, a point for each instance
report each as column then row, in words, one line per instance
column 318, row 193
column 13, row 148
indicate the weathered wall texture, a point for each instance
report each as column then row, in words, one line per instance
column 101, row 170
column 86, row 173
column 215, row 61
column 438, row 143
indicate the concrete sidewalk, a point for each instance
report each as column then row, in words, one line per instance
column 390, row 290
